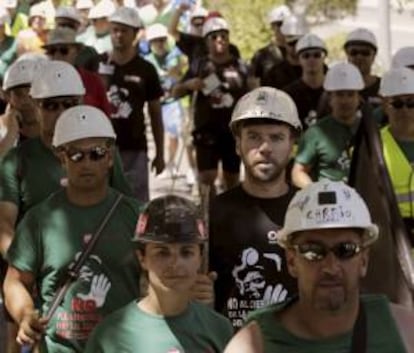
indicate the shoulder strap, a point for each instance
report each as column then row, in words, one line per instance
column 73, row 270
column 359, row 334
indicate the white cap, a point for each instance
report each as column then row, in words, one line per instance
column 403, row 57
column 278, row 14
column 68, row 12
column 294, row 26
column 4, row 16
column 198, row 12
column 343, row 76
column 21, row 72
column 361, row 36
column 327, row 205
column 61, row 35
column 155, row 31
column 56, row 79
column 9, row 4
column 397, row 82
column 38, row 10
column 310, row 41
column 127, row 16
column 103, row 9
column 84, row 4
column 215, row 24
column 80, row 122
column 266, row 103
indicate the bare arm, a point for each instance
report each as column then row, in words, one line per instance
column 10, row 122
column 154, row 109
column 175, row 19
column 17, row 288
column 404, row 319
column 8, row 217
column 183, row 88
column 247, row 340
column 300, row 175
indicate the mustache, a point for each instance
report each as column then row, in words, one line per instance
column 330, row 280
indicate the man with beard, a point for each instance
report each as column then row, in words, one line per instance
column 327, row 235
column 324, row 151
column 250, row 265
column 132, row 82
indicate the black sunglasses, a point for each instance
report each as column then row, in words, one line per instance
column 55, row 105
column 215, row 36
column 317, row 252
column 363, row 52
column 94, row 154
column 399, row 104
column 54, row 50
column 315, row 55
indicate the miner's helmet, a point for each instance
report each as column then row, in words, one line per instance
column 170, row 219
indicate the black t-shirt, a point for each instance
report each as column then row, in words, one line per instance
column 251, row 267
column 128, row 88
column 282, row 74
column 264, row 59
column 195, row 47
column 213, row 111
column 306, row 99
column 371, row 93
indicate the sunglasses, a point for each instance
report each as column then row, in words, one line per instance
column 399, row 104
column 363, row 52
column 60, row 50
column 292, row 43
column 315, row 55
column 55, row 105
column 197, row 24
column 94, row 154
column 68, row 25
column 223, row 35
column 315, row 252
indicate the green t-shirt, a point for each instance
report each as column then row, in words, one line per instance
column 50, row 236
column 130, row 330
column 382, row 332
column 8, row 48
column 30, row 172
column 101, row 43
column 325, row 147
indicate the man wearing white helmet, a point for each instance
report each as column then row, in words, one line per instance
column 324, row 150
column 131, row 82
column 327, row 235
column 397, row 90
column 288, row 70
column 219, row 80
column 361, row 48
column 54, row 233
column 251, row 267
column 307, row 91
column 273, row 53
column 20, row 120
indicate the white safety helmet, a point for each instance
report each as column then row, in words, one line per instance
column 215, row 24
column 278, row 14
column 361, row 36
column 294, row 26
column 156, row 31
column 127, row 16
column 38, row 10
column 68, row 12
column 265, row 103
column 310, row 41
column 80, row 122
column 84, row 4
column 61, row 35
column 404, row 57
column 199, row 12
column 56, row 79
column 397, row 82
column 21, row 73
column 327, row 205
column 4, row 16
column 343, row 76
column 103, row 9
column 9, row 4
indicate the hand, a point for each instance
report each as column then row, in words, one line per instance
column 99, row 289
column 194, row 84
column 11, row 118
column 184, row 6
column 203, row 288
column 31, row 328
column 276, row 294
column 158, row 164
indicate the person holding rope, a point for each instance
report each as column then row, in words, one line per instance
column 170, row 240
column 327, row 235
